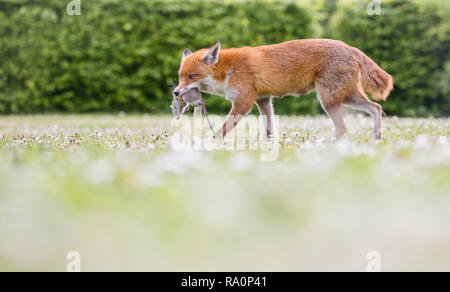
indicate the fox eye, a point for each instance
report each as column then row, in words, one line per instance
column 192, row 76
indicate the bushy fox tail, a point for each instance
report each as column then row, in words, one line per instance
column 374, row 79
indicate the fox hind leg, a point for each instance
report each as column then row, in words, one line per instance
column 265, row 108
column 335, row 113
column 360, row 101
column 333, row 107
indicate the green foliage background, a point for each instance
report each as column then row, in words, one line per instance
column 123, row 55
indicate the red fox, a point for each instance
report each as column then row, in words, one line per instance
column 340, row 74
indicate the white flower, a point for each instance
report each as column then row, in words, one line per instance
column 421, row 141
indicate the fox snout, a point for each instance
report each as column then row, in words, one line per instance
column 180, row 91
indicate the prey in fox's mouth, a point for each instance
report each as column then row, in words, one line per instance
column 191, row 97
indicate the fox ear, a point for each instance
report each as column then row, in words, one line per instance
column 211, row 57
column 186, row 54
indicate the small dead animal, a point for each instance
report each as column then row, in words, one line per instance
column 192, row 97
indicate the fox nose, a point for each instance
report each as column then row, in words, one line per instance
column 176, row 92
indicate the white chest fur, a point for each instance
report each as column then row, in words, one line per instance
column 210, row 85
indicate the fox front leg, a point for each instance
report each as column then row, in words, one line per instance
column 240, row 108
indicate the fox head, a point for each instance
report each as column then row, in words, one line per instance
column 196, row 67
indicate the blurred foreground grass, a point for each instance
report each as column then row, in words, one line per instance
column 111, row 188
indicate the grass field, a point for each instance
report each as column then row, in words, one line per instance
column 112, row 188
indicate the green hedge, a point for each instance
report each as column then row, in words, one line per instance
column 123, row 55
column 411, row 42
